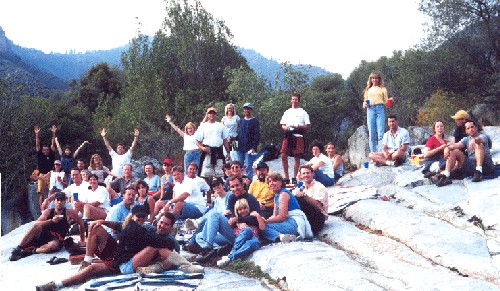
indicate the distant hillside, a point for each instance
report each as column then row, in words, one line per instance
column 72, row 65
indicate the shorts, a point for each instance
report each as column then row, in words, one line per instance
column 293, row 146
column 126, row 268
column 109, row 251
column 190, row 211
column 209, row 171
column 469, row 166
column 45, row 237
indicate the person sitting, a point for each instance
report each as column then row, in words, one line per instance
column 48, row 232
column 337, row 161
column 261, row 191
column 120, row 184
column 75, row 190
column 322, row 166
column 167, row 180
column 288, row 221
column 246, row 226
column 185, row 203
column 312, row 198
column 200, row 186
column 478, row 160
column 141, row 189
column 57, row 180
column 97, row 168
column 435, row 146
column 153, row 181
column 395, row 144
column 95, row 202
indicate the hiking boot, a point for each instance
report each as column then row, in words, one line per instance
column 429, row 174
column 193, row 248
column 191, row 224
column 286, row 238
column 192, row 269
column 19, row 254
column 478, row 176
column 443, row 181
column 184, row 265
column 398, row 163
column 51, row 286
column 456, row 174
column 155, row 268
column 436, row 178
column 205, row 258
column 223, row 261
column 225, row 250
column 84, row 265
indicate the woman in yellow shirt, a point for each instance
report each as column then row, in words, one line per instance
column 375, row 99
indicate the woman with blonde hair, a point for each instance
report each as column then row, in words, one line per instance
column 375, row 98
column 96, row 167
column 192, row 152
column 231, row 121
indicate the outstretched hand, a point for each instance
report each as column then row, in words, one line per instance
column 53, row 128
column 36, row 128
column 168, row 118
column 136, row 132
column 103, row 132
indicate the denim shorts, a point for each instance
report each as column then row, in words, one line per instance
column 126, row 268
column 190, row 211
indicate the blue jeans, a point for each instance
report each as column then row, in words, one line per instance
column 190, row 211
column 191, row 157
column 376, row 126
column 216, row 229
column 244, row 244
column 323, row 178
column 273, row 230
column 247, row 160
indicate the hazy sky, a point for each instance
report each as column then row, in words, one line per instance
column 333, row 34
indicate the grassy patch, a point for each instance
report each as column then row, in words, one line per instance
column 249, row 270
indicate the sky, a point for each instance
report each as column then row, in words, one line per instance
column 332, row 34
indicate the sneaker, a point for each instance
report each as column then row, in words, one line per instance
column 193, row 248
column 205, row 258
column 443, row 181
column 436, row 178
column 51, row 286
column 286, row 238
column 398, row 163
column 478, row 176
column 429, row 174
column 191, row 224
column 223, row 261
column 15, row 255
column 225, row 250
column 155, row 268
column 189, row 269
column 84, row 265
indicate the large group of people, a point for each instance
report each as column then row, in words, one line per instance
column 221, row 190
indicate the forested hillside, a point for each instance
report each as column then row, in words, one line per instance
column 192, row 64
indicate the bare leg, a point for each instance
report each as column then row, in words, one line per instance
column 92, row 212
column 377, row 157
column 158, row 206
column 94, row 270
column 178, row 208
column 148, row 255
column 459, row 159
column 32, row 234
column 97, row 239
column 284, row 162
column 479, row 154
column 50, row 247
column 296, row 165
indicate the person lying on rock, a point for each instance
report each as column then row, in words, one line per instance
column 395, row 144
column 477, row 161
column 48, row 232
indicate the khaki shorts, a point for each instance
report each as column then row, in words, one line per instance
column 208, row 170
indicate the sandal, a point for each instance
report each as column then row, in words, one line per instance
column 52, row 260
column 57, row 261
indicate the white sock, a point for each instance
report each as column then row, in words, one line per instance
column 446, row 173
column 479, row 168
column 88, row 259
column 59, row 284
column 389, row 163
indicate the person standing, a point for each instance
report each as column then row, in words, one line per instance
column 192, row 154
column 211, row 137
column 67, row 157
column 120, row 157
column 45, row 157
column 294, row 122
column 248, row 139
column 231, row 121
column 375, row 98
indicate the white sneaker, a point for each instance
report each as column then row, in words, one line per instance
column 223, row 261
column 191, row 224
column 286, row 238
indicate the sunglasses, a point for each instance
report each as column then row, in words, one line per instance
column 141, row 215
column 167, row 165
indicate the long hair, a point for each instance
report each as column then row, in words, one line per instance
column 127, row 221
column 230, row 105
column 189, row 124
column 369, row 83
column 95, row 166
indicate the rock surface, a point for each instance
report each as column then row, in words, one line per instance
column 423, row 238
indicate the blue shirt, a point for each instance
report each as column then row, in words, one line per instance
column 117, row 213
column 292, row 203
column 154, row 183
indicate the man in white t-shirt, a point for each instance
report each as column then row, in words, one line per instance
column 294, row 122
column 120, row 157
column 210, row 137
column 186, row 203
column 200, row 186
column 79, row 187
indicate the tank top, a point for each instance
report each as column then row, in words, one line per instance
column 61, row 227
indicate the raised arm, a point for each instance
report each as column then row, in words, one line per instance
column 169, row 120
column 36, row 129
column 77, row 151
column 53, row 128
column 134, row 142
column 106, row 142
column 59, row 149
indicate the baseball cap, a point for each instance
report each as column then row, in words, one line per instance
column 210, row 109
column 262, row 165
column 59, row 195
column 248, row 105
column 216, row 181
column 139, row 210
column 167, row 161
column 57, row 162
column 460, row 114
